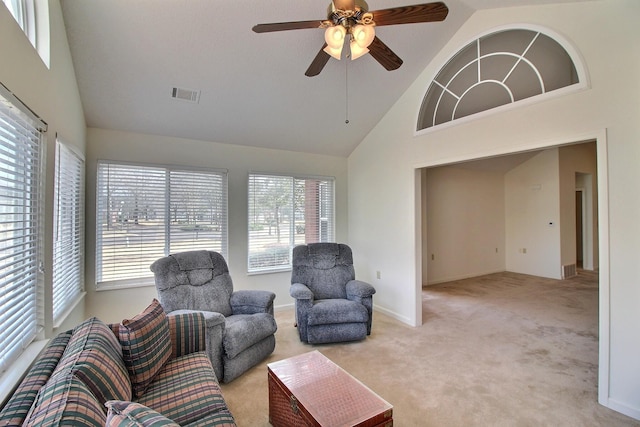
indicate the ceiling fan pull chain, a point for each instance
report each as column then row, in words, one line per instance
column 346, row 90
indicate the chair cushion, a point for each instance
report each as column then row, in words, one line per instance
column 131, row 414
column 183, row 281
column 94, row 356
column 193, row 260
column 330, row 311
column 185, row 390
column 244, row 330
column 324, row 268
column 65, row 400
column 146, row 345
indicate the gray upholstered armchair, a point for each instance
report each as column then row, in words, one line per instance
column 331, row 306
column 240, row 324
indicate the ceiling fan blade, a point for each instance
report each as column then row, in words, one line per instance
column 428, row 12
column 384, row 55
column 318, row 63
column 284, row 26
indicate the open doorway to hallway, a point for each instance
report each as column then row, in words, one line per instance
column 512, row 213
column 560, row 253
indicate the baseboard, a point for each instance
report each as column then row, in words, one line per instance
column 623, row 408
column 284, row 307
column 462, row 277
column 392, row 314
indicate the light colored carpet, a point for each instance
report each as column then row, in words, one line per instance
column 497, row 350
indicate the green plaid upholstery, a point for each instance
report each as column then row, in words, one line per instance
column 94, row 356
column 186, row 390
column 131, row 414
column 17, row 408
column 188, row 332
column 82, row 369
column 218, row 419
column 65, row 400
column 146, row 346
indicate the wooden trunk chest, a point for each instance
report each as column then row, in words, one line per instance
column 311, row 390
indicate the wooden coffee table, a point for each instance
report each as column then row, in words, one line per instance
column 311, row 390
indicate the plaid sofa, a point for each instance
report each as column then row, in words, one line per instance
column 149, row 370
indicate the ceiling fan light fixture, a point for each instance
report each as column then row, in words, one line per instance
column 363, row 35
column 334, row 36
column 357, row 51
column 335, row 53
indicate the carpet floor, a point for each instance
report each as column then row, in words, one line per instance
column 498, row 350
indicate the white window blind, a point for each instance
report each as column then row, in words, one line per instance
column 20, row 227
column 68, row 235
column 285, row 211
column 146, row 212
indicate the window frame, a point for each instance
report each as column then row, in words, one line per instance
column 24, row 13
column 148, row 280
column 328, row 208
column 32, row 129
column 68, row 230
column 573, row 53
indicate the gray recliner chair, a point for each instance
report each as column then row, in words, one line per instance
column 331, row 306
column 240, row 324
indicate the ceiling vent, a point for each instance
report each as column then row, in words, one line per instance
column 188, row 95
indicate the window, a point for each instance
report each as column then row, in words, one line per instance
column 497, row 69
column 23, row 12
column 285, row 211
column 146, row 212
column 21, row 135
column 68, row 234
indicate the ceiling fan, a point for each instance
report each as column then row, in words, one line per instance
column 350, row 20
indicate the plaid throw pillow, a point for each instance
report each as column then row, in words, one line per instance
column 146, row 345
column 130, row 414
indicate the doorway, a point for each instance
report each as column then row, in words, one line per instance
column 579, row 227
column 600, row 237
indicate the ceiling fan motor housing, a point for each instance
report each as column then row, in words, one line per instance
column 349, row 18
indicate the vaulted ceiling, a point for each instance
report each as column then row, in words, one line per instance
column 129, row 55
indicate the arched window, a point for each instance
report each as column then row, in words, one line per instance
column 494, row 70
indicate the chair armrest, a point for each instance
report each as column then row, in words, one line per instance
column 358, row 288
column 300, row 291
column 188, row 332
column 252, row 301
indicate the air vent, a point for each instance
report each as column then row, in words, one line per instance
column 569, row 271
column 188, row 95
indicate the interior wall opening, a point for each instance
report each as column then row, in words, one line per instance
column 592, row 185
column 515, row 213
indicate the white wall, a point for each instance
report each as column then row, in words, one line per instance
column 532, row 201
column 115, row 305
column 52, row 93
column 383, row 181
column 465, row 224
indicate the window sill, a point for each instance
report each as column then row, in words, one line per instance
column 270, row 271
column 12, row 377
column 125, row 284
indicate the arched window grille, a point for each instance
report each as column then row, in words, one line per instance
column 494, row 70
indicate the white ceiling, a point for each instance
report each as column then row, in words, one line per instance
column 129, row 54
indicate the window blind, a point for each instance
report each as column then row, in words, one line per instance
column 68, row 236
column 145, row 212
column 20, row 227
column 285, row 211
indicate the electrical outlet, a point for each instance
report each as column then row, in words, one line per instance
column 377, row 274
